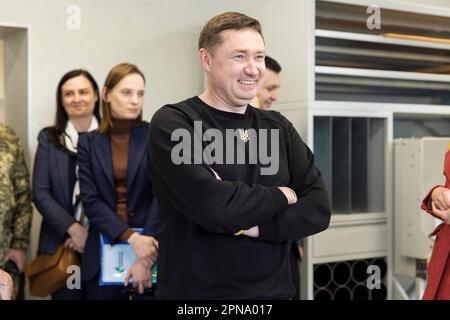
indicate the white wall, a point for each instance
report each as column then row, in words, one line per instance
column 437, row 3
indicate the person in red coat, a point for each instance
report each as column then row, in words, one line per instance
column 437, row 203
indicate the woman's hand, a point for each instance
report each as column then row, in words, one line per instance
column 444, row 215
column 141, row 275
column 18, row 257
column 145, row 247
column 441, row 203
column 78, row 236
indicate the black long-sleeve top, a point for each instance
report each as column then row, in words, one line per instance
column 200, row 257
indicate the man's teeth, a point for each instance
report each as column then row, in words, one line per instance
column 248, row 82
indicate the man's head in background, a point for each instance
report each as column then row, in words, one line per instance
column 268, row 93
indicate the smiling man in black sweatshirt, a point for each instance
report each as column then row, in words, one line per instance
column 235, row 185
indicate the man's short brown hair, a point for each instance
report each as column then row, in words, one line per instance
column 210, row 35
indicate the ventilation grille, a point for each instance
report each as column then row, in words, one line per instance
column 348, row 280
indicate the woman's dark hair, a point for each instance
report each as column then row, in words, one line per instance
column 56, row 131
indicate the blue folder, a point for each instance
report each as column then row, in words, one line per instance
column 116, row 259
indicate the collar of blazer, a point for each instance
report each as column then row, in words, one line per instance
column 138, row 146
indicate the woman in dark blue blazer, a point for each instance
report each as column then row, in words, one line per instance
column 115, row 187
column 55, row 182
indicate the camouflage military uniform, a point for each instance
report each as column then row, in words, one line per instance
column 15, row 196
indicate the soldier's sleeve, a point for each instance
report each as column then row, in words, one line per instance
column 22, row 215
